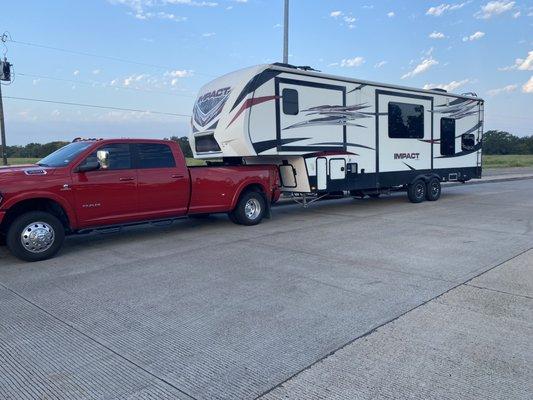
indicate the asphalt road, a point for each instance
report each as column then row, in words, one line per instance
column 347, row 299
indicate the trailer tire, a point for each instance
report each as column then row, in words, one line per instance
column 374, row 195
column 250, row 209
column 433, row 189
column 35, row 236
column 416, row 191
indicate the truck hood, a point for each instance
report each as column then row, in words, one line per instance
column 18, row 172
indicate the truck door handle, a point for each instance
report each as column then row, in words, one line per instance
column 176, row 176
column 126, row 179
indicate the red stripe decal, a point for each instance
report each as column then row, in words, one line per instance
column 252, row 102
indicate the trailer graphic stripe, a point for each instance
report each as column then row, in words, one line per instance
column 251, row 102
column 254, row 83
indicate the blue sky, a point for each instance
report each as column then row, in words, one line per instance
column 466, row 46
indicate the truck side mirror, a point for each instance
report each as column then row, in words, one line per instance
column 103, row 158
column 88, row 166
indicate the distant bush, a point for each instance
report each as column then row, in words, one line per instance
column 500, row 142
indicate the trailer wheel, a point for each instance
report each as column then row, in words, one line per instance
column 416, row 191
column 250, row 209
column 35, row 236
column 374, row 195
column 433, row 189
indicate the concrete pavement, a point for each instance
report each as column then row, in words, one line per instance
column 366, row 298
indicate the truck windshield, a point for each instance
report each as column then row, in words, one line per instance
column 64, row 156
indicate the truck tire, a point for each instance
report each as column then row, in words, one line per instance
column 416, row 191
column 250, row 209
column 433, row 189
column 35, row 236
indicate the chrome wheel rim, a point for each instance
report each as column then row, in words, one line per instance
column 435, row 189
column 419, row 190
column 37, row 237
column 252, row 209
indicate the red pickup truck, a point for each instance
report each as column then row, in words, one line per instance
column 107, row 184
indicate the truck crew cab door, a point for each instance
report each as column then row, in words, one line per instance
column 107, row 196
column 163, row 181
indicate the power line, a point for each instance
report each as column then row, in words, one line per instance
column 82, row 53
column 103, row 85
column 96, row 106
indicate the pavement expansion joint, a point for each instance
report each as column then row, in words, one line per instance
column 499, row 291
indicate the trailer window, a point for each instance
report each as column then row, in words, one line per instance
column 406, row 121
column 206, row 143
column 468, row 142
column 447, row 136
column 154, row 155
column 290, row 101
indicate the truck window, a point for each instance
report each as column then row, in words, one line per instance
column 406, row 121
column 447, row 137
column 63, row 156
column 154, row 155
column 119, row 156
column 290, row 101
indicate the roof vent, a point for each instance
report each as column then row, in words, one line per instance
column 472, row 94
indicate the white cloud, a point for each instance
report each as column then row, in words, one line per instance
column 140, row 8
column 493, row 8
column 96, row 71
column 505, row 89
column 437, row 35
column 352, row 62
column 422, row 67
column 522, row 64
column 380, row 64
column 277, row 26
column 517, row 14
column 475, row 36
column 349, row 20
column 36, row 81
column 525, row 64
column 128, row 81
column 76, row 73
column 335, row 14
column 191, row 3
column 528, row 86
column 179, row 73
column 208, row 34
column 443, row 8
column 390, row 14
column 449, row 87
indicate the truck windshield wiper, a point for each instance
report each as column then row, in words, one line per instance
column 42, row 165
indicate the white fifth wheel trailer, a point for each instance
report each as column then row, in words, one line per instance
column 331, row 134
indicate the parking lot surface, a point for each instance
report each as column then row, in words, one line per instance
column 347, row 299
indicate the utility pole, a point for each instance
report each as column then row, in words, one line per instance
column 3, row 129
column 286, row 34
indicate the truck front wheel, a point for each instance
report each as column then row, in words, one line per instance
column 35, row 236
column 250, row 209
